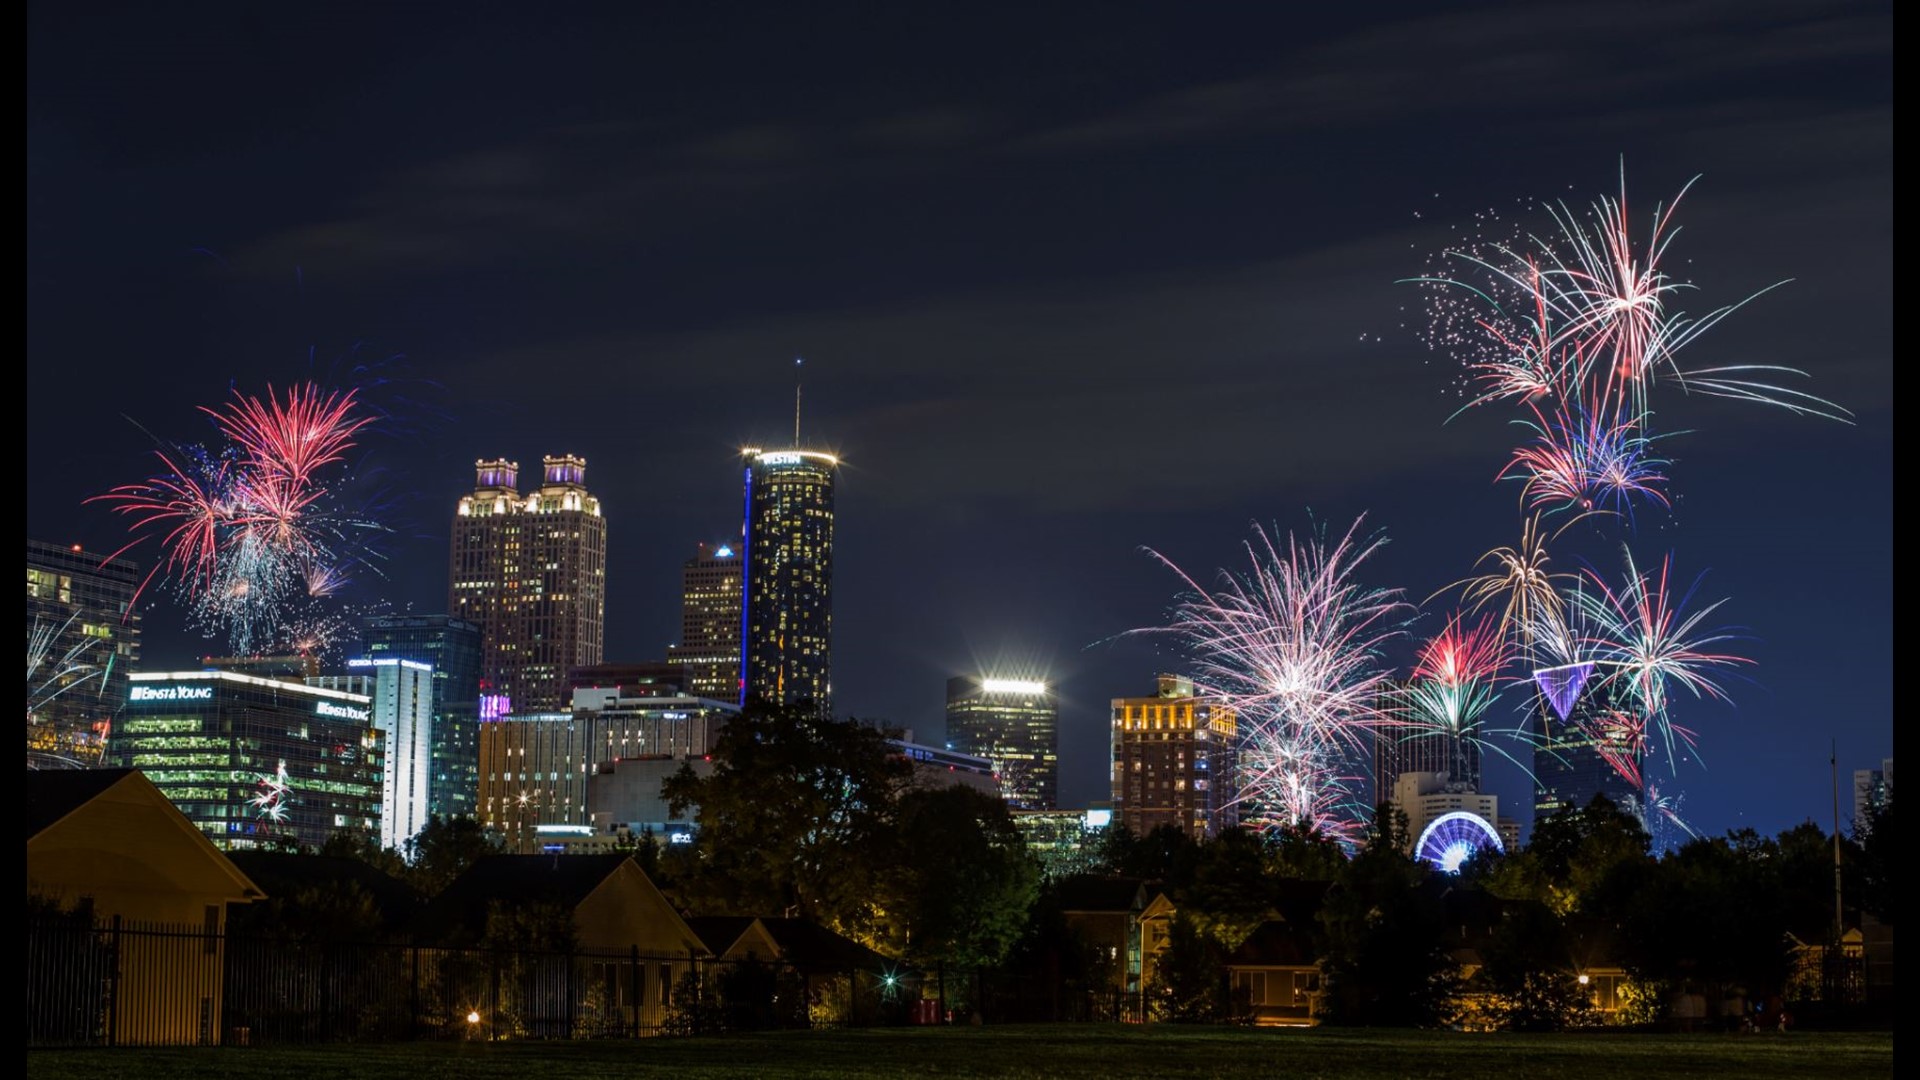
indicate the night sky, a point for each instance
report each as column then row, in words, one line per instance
column 1069, row 282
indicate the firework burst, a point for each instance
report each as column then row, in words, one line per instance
column 1292, row 645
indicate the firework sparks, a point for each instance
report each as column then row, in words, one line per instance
column 275, row 792
column 1293, row 646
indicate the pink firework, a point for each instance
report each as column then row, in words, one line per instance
column 287, row 442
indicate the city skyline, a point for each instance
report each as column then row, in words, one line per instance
column 982, row 335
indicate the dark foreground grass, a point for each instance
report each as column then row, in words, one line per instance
column 1101, row 1051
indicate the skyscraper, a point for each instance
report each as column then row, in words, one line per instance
column 1015, row 724
column 1174, row 760
column 787, row 548
column 1577, row 754
column 452, row 647
column 1400, row 750
column 709, row 647
column 83, row 637
column 531, row 573
column 401, row 692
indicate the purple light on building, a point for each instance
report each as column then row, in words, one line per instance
column 1562, row 685
column 494, row 706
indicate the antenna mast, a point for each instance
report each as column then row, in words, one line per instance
column 797, row 362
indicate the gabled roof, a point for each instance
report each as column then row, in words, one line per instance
column 1097, row 893
column 813, row 948
column 513, row 880
column 52, row 794
column 719, row 932
column 283, row 873
column 1274, row 943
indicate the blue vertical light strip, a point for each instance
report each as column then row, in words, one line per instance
column 746, row 582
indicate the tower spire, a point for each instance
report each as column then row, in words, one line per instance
column 798, row 361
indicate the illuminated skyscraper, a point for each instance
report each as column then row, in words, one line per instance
column 787, row 548
column 1400, row 750
column 1576, row 754
column 531, row 572
column 1014, row 724
column 709, row 646
column 84, row 633
column 401, row 694
column 1174, row 761
column 452, row 647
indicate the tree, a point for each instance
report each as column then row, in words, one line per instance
column 1528, row 967
column 1231, row 893
column 1874, row 834
column 962, row 882
column 360, row 844
column 444, row 849
column 1303, row 852
column 1189, row 982
column 1386, row 959
column 1165, row 854
column 794, row 818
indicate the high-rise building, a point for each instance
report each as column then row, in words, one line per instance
column 1015, row 724
column 452, row 648
column 1398, row 750
column 787, row 554
column 1174, row 760
column 1577, row 753
column 252, row 761
column 531, row 572
column 533, row 774
column 403, row 710
column 1872, row 789
column 1065, row 842
column 643, row 722
column 709, row 645
column 83, row 637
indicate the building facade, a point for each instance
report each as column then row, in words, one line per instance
column 1403, row 749
column 451, row 647
column 1015, row 724
column 1577, row 753
column 1174, row 760
column 83, row 637
column 533, row 772
column 709, row 648
column 402, row 695
column 786, row 632
column 637, row 722
column 1064, row 842
column 253, row 761
column 1872, row 789
column 530, row 571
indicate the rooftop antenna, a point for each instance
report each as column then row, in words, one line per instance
column 798, row 361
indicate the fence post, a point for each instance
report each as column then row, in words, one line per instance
column 570, row 956
column 493, row 1011
column 113, row 983
column 413, row 998
column 634, row 982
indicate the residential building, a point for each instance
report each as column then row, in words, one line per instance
column 1174, row 760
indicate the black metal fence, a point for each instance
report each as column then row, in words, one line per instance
column 139, row 984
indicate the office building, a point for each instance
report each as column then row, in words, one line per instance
column 83, row 637
column 403, row 710
column 1399, row 748
column 1872, row 789
column 709, row 648
column 787, row 570
column 1014, row 723
column 530, row 571
column 253, row 761
column 938, row 767
column 650, row 721
column 451, row 647
column 533, row 773
column 1577, row 753
column 1174, row 761
column 1065, row 842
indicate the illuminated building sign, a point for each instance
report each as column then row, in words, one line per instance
column 1100, row 819
column 780, row 459
column 388, row 661
column 679, row 838
column 171, row 693
column 494, row 706
column 1012, row 686
column 343, row 712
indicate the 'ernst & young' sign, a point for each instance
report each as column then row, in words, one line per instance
column 170, row 693
column 343, row 712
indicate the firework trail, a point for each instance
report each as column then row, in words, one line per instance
column 1292, row 645
column 48, row 675
column 1586, row 458
column 1642, row 634
column 246, row 530
column 1453, row 685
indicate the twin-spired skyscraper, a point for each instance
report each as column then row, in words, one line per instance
column 786, row 551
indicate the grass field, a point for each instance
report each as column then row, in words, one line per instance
column 1038, row 1051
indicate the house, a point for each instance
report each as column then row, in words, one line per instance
column 840, row 978
column 1275, row 976
column 300, row 884
column 142, row 898
column 1105, row 913
column 631, row 945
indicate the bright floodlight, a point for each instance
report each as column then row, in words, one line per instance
column 1450, row 839
column 1012, row 686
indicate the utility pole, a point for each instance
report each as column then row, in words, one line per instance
column 1833, row 765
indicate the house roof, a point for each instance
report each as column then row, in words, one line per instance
column 811, row 947
column 52, row 794
column 1274, row 943
column 282, row 873
column 719, row 932
column 564, row 880
column 1094, row 892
